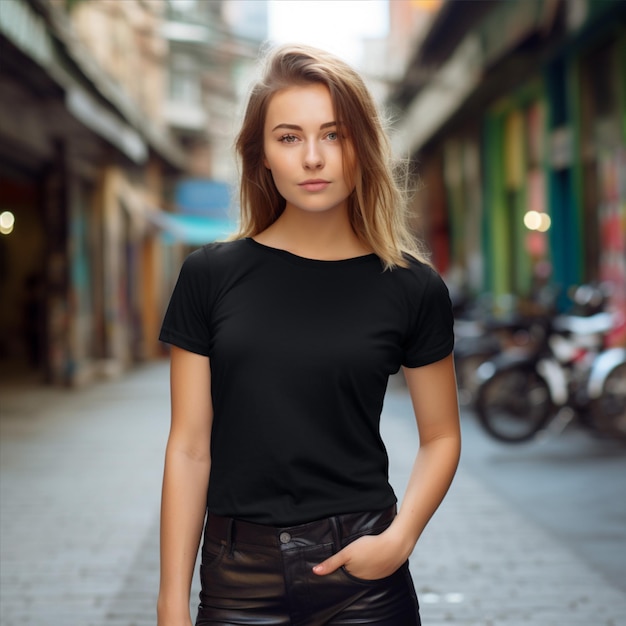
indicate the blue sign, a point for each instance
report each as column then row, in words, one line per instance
column 201, row 196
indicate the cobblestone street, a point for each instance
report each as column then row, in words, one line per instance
column 80, row 487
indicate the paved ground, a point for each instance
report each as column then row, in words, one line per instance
column 573, row 484
column 80, row 476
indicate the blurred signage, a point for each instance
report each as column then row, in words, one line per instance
column 200, row 196
column 561, row 148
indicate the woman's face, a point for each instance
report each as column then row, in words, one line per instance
column 304, row 149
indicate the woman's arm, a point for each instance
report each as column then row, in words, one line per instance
column 185, row 481
column 434, row 397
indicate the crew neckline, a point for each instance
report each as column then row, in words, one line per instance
column 302, row 260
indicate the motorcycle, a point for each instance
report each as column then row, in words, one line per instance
column 481, row 335
column 480, row 341
column 568, row 373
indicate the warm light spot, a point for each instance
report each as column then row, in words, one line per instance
column 532, row 220
column 7, row 222
column 545, row 222
column 536, row 220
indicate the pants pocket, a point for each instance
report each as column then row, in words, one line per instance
column 212, row 554
column 374, row 530
column 341, row 598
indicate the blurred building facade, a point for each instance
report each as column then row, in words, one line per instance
column 514, row 114
column 92, row 153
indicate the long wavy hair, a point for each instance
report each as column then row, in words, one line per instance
column 377, row 206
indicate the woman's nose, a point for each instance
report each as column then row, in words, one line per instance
column 313, row 156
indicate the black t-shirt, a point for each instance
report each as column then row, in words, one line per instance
column 301, row 351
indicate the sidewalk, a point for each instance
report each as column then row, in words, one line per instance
column 80, row 475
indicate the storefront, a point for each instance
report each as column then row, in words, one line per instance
column 79, row 165
column 522, row 105
column 518, row 216
column 601, row 176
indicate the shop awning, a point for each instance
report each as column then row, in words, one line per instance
column 194, row 230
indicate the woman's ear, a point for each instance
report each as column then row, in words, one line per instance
column 266, row 163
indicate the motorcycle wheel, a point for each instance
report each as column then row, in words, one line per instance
column 514, row 404
column 609, row 410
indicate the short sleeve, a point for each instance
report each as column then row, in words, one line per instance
column 431, row 337
column 186, row 321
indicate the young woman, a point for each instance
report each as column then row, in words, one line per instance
column 283, row 340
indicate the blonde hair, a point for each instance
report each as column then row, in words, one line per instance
column 377, row 208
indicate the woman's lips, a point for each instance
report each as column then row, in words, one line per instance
column 314, row 185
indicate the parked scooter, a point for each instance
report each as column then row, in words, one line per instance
column 480, row 341
column 568, row 374
column 481, row 335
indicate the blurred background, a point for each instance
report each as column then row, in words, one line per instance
column 116, row 127
column 117, row 119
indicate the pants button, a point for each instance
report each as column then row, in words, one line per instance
column 284, row 537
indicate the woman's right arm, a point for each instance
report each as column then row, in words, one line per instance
column 185, row 482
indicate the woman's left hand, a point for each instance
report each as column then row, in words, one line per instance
column 370, row 557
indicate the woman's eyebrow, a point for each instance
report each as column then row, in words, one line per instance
column 296, row 127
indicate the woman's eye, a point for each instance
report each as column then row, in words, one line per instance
column 332, row 136
column 288, row 139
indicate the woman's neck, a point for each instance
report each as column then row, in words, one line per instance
column 326, row 235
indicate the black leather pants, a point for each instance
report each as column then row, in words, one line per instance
column 261, row 575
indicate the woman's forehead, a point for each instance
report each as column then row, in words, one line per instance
column 301, row 104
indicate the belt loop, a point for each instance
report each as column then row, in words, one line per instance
column 230, row 543
column 336, row 531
